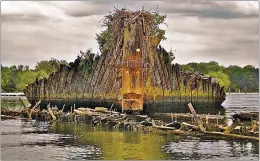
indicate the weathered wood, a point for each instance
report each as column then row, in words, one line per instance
column 84, row 109
column 231, row 127
column 218, row 117
column 168, row 129
column 254, row 126
column 22, row 102
column 198, row 121
column 62, row 108
column 190, row 126
column 101, row 109
column 236, row 136
column 30, row 111
column 51, row 113
column 81, row 112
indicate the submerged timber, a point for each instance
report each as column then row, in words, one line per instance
column 133, row 73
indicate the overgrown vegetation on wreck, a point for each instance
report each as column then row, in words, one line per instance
column 99, row 77
column 16, row 78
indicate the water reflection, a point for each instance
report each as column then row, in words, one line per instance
column 68, row 141
column 117, row 145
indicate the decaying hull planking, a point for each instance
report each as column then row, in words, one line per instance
column 134, row 72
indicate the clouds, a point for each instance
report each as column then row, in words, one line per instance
column 226, row 32
column 223, row 40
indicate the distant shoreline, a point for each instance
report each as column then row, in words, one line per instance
column 12, row 94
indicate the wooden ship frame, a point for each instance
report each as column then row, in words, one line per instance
column 133, row 73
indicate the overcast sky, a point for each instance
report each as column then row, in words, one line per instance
column 226, row 32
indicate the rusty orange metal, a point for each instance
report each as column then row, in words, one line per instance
column 132, row 84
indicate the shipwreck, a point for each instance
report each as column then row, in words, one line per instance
column 132, row 73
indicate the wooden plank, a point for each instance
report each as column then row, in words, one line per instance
column 172, row 129
column 197, row 119
column 51, row 113
column 235, row 136
column 22, row 102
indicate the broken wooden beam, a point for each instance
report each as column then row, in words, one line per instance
column 51, row 113
column 235, row 136
column 197, row 119
column 30, row 111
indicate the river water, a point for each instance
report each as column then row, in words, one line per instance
column 21, row 140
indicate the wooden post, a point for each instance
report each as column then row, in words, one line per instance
column 111, row 108
column 62, row 108
column 218, row 116
column 51, row 113
column 197, row 119
column 22, row 102
column 31, row 110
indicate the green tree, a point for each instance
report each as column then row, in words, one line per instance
column 24, row 78
column 48, row 66
column 222, row 78
column 20, row 67
column 102, row 40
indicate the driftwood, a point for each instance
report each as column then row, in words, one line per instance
column 218, row 117
column 232, row 126
column 254, row 126
column 111, row 108
column 82, row 112
column 22, row 103
column 197, row 119
column 51, row 113
column 134, row 122
column 84, row 109
column 78, row 112
column 30, row 111
column 162, row 127
column 235, row 136
column 101, row 109
column 63, row 108
column 169, row 129
column 117, row 125
column 193, row 127
column 8, row 117
column 189, row 116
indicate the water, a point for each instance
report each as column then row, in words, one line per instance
column 237, row 102
column 43, row 141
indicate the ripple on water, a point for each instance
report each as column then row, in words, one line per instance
column 24, row 141
column 195, row 148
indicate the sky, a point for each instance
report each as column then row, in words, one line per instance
column 221, row 31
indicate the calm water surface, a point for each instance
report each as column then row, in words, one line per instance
column 43, row 141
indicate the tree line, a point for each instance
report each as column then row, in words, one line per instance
column 235, row 78
column 16, row 78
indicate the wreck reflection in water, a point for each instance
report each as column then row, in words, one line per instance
column 67, row 141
